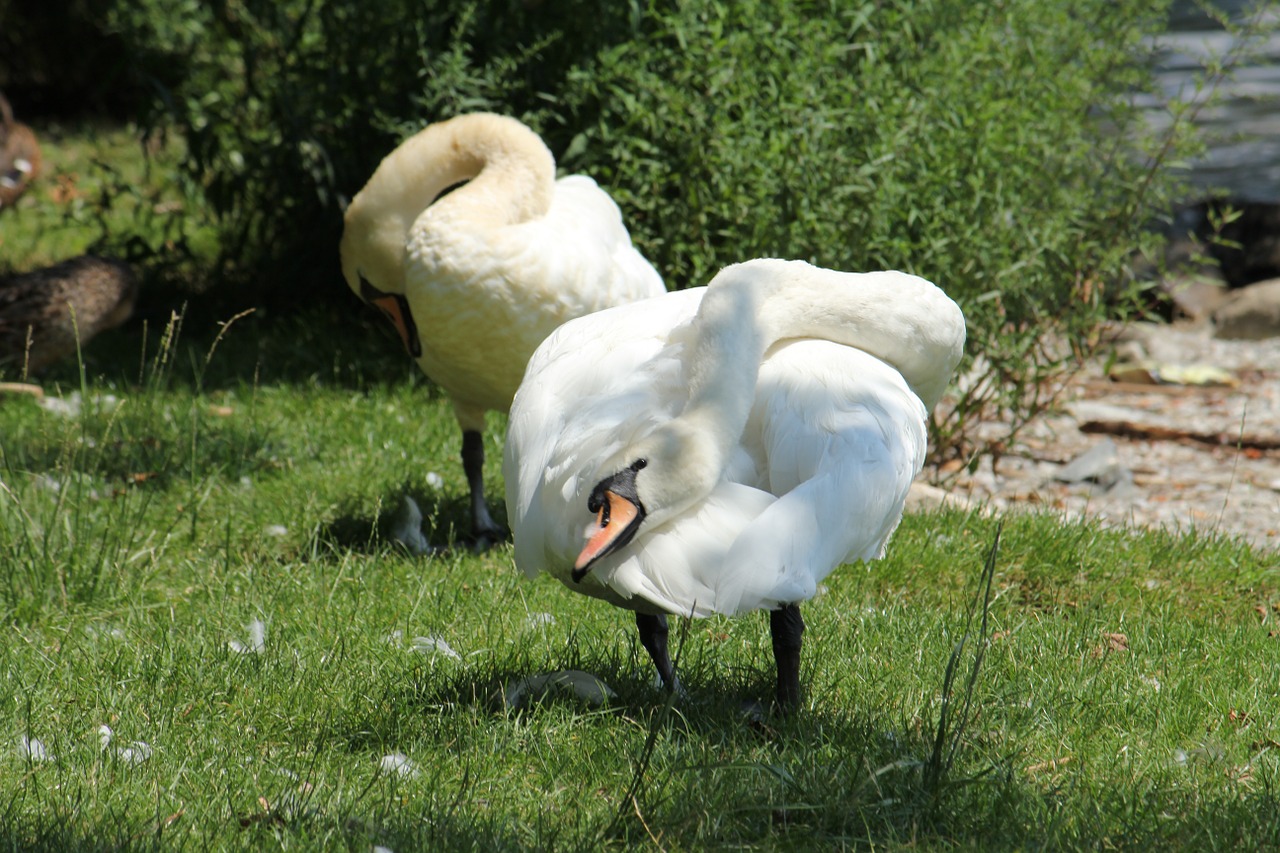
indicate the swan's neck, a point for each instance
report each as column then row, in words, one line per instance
column 687, row 455
column 510, row 175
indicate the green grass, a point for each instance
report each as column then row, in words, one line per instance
column 201, row 488
column 143, row 536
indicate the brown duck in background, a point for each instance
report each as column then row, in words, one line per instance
column 19, row 156
column 42, row 311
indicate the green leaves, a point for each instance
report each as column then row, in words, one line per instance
column 993, row 148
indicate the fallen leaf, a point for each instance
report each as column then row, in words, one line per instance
column 1117, row 642
column 1053, row 764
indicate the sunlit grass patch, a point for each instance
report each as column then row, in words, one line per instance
column 202, row 565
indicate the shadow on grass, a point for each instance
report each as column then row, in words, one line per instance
column 216, row 348
column 445, row 526
column 291, row 818
column 841, row 816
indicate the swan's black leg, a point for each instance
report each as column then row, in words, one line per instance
column 483, row 527
column 786, row 626
column 653, row 636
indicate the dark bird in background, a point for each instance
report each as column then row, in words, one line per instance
column 44, row 313
column 19, row 156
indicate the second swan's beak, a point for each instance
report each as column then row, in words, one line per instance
column 616, row 521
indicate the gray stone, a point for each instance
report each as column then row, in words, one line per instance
column 923, row 497
column 1250, row 313
column 571, row 684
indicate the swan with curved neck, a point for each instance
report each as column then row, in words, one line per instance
column 723, row 449
column 468, row 244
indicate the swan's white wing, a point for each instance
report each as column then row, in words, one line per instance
column 841, row 437
column 588, row 388
column 580, row 207
column 818, row 477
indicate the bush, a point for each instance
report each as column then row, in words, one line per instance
column 990, row 147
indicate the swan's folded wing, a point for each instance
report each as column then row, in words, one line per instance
column 842, row 437
column 586, row 249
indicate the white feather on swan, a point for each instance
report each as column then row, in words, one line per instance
column 476, row 278
column 778, row 419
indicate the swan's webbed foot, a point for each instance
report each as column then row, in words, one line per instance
column 787, row 628
column 485, row 531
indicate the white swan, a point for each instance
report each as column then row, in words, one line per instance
column 475, row 279
column 722, row 449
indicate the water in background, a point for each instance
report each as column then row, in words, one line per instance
column 1243, row 127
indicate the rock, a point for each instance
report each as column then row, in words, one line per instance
column 1100, row 466
column 1251, row 313
column 923, row 497
column 406, row 528
column 1195, row 296
column 572, row 684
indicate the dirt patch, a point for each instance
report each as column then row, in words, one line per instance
column 1201, row 457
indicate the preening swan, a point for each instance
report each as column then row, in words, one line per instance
column 723, row 449
column 473, row 280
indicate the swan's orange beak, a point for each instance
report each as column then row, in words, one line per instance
column 396, row 309
column 616, row 521
column 400, row 317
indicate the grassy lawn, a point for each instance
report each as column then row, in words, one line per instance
column 1127, row 696
column 194, row 553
